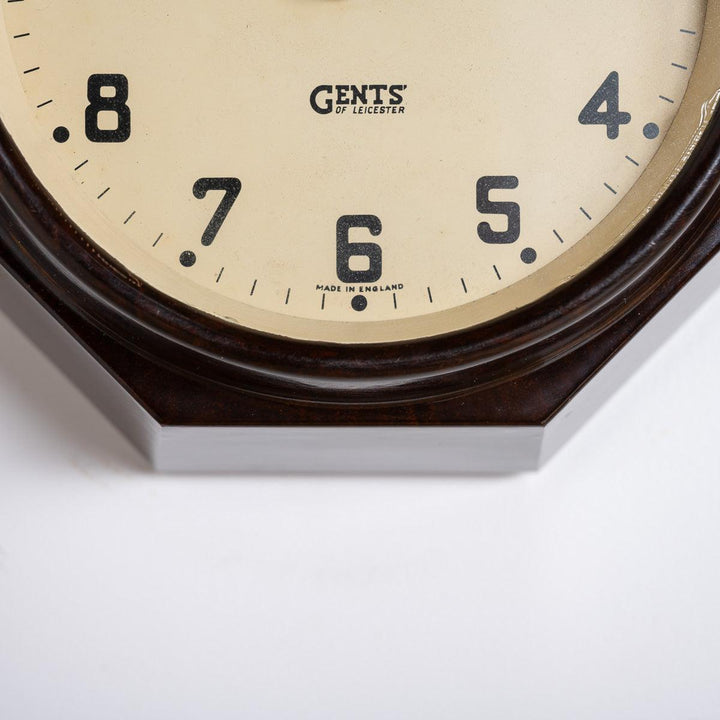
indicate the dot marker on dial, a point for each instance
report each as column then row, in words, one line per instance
column 61, row 134
column 187, row 259
column 528, row 256
column 651, row 131
column 359, row 303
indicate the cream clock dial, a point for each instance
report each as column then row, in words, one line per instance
column 360, row 170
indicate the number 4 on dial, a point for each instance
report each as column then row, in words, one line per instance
column 612, row 117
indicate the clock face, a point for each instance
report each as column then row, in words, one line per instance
column 357, row 170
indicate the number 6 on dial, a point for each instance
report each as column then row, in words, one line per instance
column 346, row 249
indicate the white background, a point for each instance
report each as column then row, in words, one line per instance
column 588, row 590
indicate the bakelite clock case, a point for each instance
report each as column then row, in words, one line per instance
column 196, row 393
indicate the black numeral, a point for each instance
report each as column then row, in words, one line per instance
column 510, row 209
column 116, row 104
column 347, row 249
column 612, row 117
column 232, row 187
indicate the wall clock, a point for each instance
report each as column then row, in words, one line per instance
column 352, row 235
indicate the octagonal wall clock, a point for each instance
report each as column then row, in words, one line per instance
column 354, row 235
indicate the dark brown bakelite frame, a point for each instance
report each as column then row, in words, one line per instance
column 51, row 256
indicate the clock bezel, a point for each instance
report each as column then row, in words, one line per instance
column 39, row 241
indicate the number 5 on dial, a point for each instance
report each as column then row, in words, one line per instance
column 511, row 210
